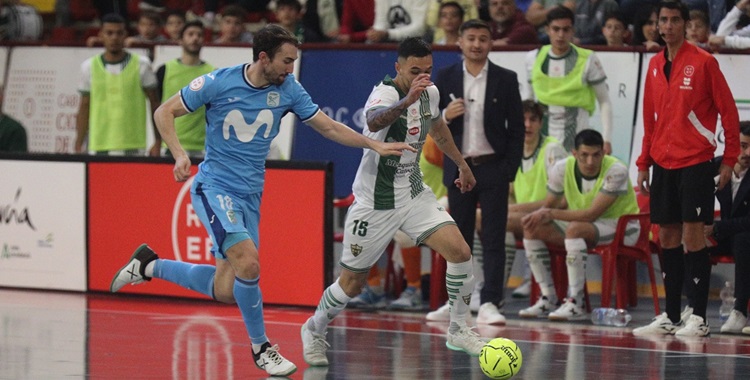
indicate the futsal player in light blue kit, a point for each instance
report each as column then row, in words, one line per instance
column 244, row 105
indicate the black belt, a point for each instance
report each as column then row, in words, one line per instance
column 483, row 159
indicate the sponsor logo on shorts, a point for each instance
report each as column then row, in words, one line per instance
column 232, row 218
column 356, row 249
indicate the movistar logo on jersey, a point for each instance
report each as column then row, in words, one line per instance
column 246, row 132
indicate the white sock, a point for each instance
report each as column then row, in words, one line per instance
column 576, row 259
column 538, row 257
column 149, row 269
column 459, row 281
column 332, row 303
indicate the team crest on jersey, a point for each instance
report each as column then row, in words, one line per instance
column 356, row 249
column 689, row 70
column 197, row 83
column 413, row 131
column 273, row 99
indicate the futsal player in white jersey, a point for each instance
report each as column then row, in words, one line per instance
column 244, row 107
column 390, row 195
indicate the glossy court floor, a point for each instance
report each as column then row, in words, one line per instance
column 56, row 335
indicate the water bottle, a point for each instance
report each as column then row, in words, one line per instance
column 610, row 317
column 727, row 301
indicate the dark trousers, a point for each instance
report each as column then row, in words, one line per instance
column 491, row 193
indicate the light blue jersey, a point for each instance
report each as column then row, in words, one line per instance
column 241, row 122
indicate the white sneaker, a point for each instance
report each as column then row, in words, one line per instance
column 686, row 313
column 476, row 299
column 735, row 323
column 490, row 315
column 466, row 340
column 568, row 311
column 410, row 299
column 271, row 361
column 134, row 271
column 443, row 314
column 523, row 290
column 314, row 346
column 541, row 308
column 660, row 325
column 746, row 330
column 695, row 326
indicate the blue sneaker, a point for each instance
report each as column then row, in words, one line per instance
column 368, row 299
column 410, row 299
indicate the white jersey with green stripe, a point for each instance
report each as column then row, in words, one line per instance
column 385, row 183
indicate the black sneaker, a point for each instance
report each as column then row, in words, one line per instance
column 134, row 271
column 269, row 360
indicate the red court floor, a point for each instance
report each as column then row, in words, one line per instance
column 56, row 335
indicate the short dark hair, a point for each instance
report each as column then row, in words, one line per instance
column 672, row 4
column 589, row 137
column 561, row 12
column 474, row 24
column 175, row 12
column 617, row 15
column 745, row 127
column 533, row 107
column 453, row 4
column 233, row 10
column 697, row 14
column 414, row 47
column 153, row 16
column 191, row 24
column 270, row 38
column 289, row 3
column 113, row 18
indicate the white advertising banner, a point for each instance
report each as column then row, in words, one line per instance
column 734, row 68
column 42, row 93
column 622, row 79
column 42, row 225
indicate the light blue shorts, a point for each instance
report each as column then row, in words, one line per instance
column 229, row 218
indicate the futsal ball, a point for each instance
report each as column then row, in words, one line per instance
column 500, row 359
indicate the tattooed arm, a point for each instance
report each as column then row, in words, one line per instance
column 380, row 118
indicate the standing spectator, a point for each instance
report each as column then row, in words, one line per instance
column 114, row 88
column 615, row 30
column 698, row 29
column 321, row 19
column 396, row 20
column 178, row 73
column 728, row 36
column 509, row 25
column 356, row 20
column 19, row 22
column 645, row 32
column 482, row 106
column 289, row 16
column 569, row 80
column 590, row 19
column 149, row 30
column 679, row 122
column 597, row 191
column 536, row 14
column 732, row 231
column 469, row 10
column 449, row 22
column 232, row 27
column 173, row 25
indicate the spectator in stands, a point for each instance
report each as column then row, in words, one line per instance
column 175, row 21
column 321, row 19
column 590, row 20
column 289, row 16
column 395, row 20
column 615, row 30
column 105, row 7
column 178, row 73
column 727, row 35
column 698, row 29
column 19, row 22
column 645, row 32
column 732, row 231
column 356, row 20
column 569, row 80
column 469, row 10
column 509, row 25
column 232, row 27
column 449, row 22
column 596, row 188
column 12, row 133
column 149, row 30
column 536, row 15
column 114, row 88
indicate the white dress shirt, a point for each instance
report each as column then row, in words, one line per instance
column 474, row 140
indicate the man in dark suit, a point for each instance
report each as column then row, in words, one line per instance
column 732, row 232
column 481, row 103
